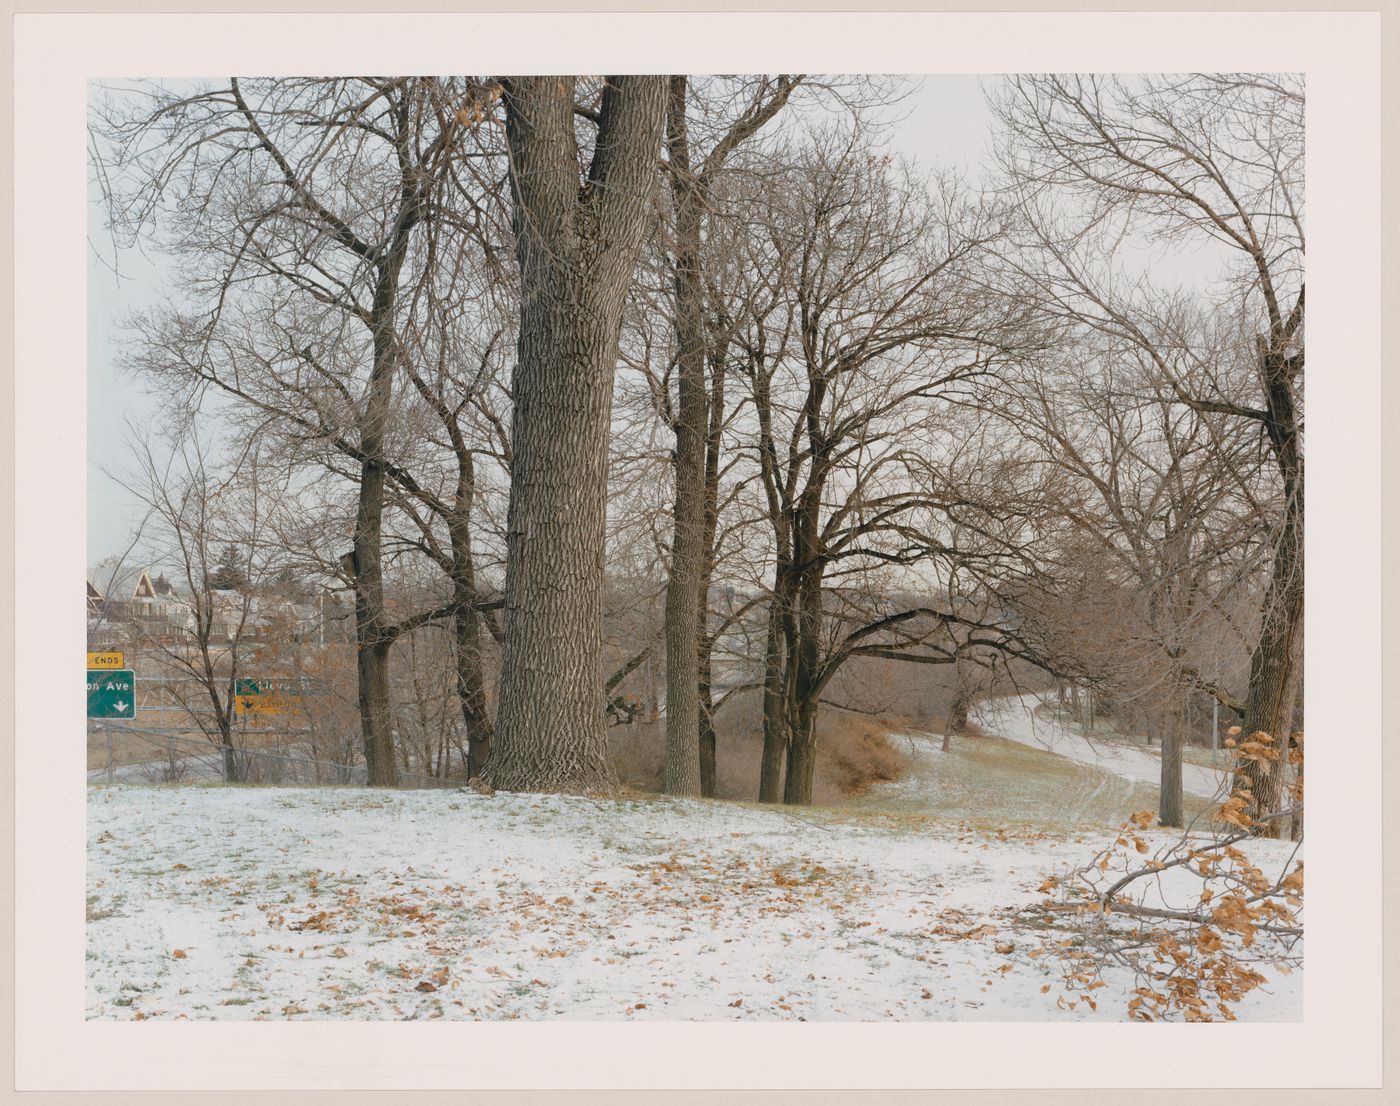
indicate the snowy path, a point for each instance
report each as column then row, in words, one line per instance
column 267, row 903
column 1014, row 718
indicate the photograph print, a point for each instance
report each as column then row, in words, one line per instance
column 696, row 548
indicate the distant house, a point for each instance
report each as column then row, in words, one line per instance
column 139, row 602
column 122, row 595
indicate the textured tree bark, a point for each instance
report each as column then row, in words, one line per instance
column 1276, row 663
column 709, row 752
column 372, row 642
column 471, row 686
column 372, row 631
column 709, row 742
column 806, row 689
column 373, row 670
column 460, row 565
column 1169, row 798
column 802, row 761
column 1273, row 678
column 775, row 715
column 230, row 760
column 957, row 717
column 1295, row 776
column 805, row 680
column 223, row 718
column 681, row 772
column 962, row 701
column 374, row 635
column 577, row 248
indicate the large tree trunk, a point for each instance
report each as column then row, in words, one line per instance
column 681, row 775
column 806, row 686
column 577, row 249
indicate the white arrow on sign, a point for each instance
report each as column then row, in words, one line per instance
column 120, row 706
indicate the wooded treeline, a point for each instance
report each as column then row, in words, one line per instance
column 562, row 382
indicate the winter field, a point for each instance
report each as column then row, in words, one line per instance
column 919, row 901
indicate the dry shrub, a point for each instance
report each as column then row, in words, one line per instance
column 853, row 752
column 636, row 752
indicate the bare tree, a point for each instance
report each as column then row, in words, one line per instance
column 691, row 175
column 1192, row 159
column 211, row 531
column 293, row 204
column 1163, row 509
column 578, row 232
column 867, row 333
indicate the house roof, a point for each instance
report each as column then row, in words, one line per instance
column 115, row 579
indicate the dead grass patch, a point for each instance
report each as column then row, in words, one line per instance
column 854, row 752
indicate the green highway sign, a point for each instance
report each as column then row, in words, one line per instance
column 272, row 694
column 273, row 685
column 111, row 694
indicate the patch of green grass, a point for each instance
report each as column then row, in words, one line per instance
column 96, row 912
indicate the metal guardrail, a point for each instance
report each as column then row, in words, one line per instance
column 187, row 759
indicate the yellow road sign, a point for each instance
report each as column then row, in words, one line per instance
column 269, row 702
column 107, row 660
column 269, row 695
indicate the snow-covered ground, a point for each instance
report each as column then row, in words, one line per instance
column 237, row 903
column 1015, row 718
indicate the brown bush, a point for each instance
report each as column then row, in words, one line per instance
column 853, row 752
column 636, row 753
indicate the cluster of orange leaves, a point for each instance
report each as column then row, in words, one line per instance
column 1259, row 748
column 1209, row 960
column 475, row 110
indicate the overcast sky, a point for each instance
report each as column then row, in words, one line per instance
column 945, row 123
